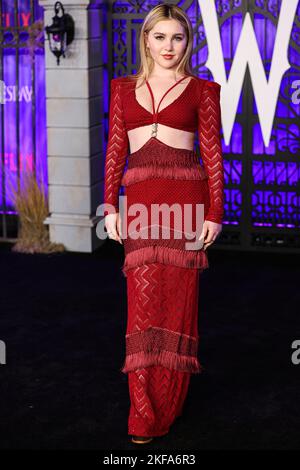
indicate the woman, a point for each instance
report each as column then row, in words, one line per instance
column 156, row 112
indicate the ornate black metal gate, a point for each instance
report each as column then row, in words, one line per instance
column 262, row 183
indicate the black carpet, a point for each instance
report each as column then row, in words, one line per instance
column 63, row 319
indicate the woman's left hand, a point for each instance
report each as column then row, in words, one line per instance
column 210, row 231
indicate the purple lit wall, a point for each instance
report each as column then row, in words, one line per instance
column 23, row 116
column 262, row 181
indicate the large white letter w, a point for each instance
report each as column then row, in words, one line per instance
column 247, row 53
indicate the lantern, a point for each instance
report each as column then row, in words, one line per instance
column 61, row 32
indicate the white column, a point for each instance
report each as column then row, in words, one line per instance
column 74, row 129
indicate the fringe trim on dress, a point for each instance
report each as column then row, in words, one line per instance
column 163, row 358
column 165, row 255
column 141, row 173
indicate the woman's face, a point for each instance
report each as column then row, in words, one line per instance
column 167, row 37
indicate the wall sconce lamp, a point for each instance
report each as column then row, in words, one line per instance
column 61, row 32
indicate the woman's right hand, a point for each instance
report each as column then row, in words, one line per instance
column 113, row 226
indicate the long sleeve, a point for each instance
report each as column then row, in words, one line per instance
column 209, row 127
column 117, row 149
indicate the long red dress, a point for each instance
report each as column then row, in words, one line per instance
column 162, row 275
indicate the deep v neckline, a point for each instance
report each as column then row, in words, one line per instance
column 156, row 113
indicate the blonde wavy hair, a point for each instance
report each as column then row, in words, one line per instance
column 164, row 12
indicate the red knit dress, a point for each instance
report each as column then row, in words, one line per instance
column 162, row 273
